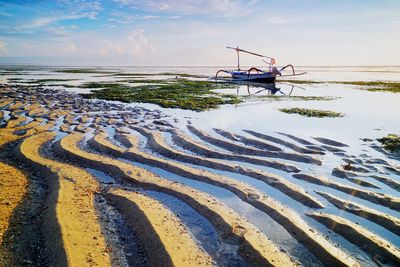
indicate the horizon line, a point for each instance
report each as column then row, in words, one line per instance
column 187, row 66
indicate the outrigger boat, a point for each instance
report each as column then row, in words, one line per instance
column 255, row 74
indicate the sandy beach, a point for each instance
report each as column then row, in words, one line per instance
column 76, row 191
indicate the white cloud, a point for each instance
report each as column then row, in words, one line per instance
column 70, row 48
column 123, row 18
column 252, row 2
column 135, row 45
column 67, row 10
column 89, row 8
column 45, row 21
column 150, row 17
column 3, row 48
column 61, row 31
column 139, row 44
column 189, row 7
column 128, row 46
column 109, row 48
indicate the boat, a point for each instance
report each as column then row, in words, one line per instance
column 254, row 74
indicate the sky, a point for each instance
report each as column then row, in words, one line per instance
column 196, row 32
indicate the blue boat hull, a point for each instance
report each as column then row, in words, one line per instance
column 267, row 77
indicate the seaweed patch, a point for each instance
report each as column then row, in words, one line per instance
column 178, row 93
column 391, row 142
column 312, row 112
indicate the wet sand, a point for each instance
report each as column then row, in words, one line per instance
column 54, row 137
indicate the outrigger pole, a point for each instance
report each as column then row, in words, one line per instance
column 264, row 76
column 237, row 49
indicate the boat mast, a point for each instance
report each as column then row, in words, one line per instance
column 237, row 51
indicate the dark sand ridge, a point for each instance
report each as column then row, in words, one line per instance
column 284, row 143
column 73, row 232
column 356, row 167
column 33, row 106
column 378, row 198
column 393, row 169
column 361, row 164
column 247, row 141
column 313, row 146
column 298, row 139
column 35, row 110
column 388, row 181
column 81, row 128
column 254, row 247
column 16, row 105
column 16, row 119
column 312, row 240
column 330, row 142
column 84, row 118
column 8, row 135
column 71, row 120
column 66, row 128
column 156, row 142
column 308, row 144
column 357, row 171
column 377, row 161
column 332, row 149
column 387, row 221
column 164, row 236
column 378, row 247
column 251, row 151
column 370, row 168
column 5, row 102
column 341, row 173
column 349, row 175
column 187, row 143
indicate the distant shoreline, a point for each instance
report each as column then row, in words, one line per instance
column 191, row 66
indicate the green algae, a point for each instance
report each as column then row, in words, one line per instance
column 77, row 71
column 150, row 81
column 375, row 86
column 392, row 88
column 312, row 112
column 372, row 86
column 104, row 85
column 180, row 75
column 42, row 81
column 179, row 93
column 63, row 85
column 299, row 81
column 183, row 75
column 15, row 80
column 294, row 98
column 391, row 142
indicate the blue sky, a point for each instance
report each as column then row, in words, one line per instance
column 178, row 32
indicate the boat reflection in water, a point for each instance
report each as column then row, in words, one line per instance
column 258, row 89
